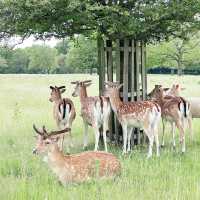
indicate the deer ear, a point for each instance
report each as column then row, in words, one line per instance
column 87, row 84
column 62, row 91
column 51, row 87
column 120, row 86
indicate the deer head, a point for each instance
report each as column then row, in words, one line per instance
column 152, row 93
column 111, row 88
column 175, row 90
column 56, row 93
column 47, row 139
column 80, row 85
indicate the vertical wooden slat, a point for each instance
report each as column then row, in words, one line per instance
column 143, row 73
column 132, row 70
column 117, row 79
column 137, row 74
column 102, row 74
column 117, row 61
column 145, row 64
column 125, row 71
column 110, row 61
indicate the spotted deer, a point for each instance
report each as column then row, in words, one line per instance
column 168, row 93
column 95, row 112
column 63, row 111
column 74, row 168
column 176, row 111
column 141, row 114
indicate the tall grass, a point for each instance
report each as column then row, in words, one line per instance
column 24, row 101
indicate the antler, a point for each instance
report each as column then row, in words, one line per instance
column 58, row 132
column 61, row 87
column 74, row 82
column 37, row 131
column 109, row 83
column 87, row 81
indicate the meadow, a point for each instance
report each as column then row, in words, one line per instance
column 24, row 100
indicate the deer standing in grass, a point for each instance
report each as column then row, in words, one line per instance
column 176, row 111
column 95, row 112
column 141, row 114
column 63, row 111
column 78, row 167
column 170, row 93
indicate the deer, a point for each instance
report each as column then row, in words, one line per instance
column 140, row 114
column 95, row 112
column 63, row 111
column 74, row 168
column 168, row 93
column 176, row 111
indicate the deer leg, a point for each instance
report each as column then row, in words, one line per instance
column 124, row 127
column 97, row 134
column 173, row 135
column 163, row 133
column 151, row 140
column 182, row 135
column 157, row 141
column 85, row 138
column 130, row 130
column 104, row 139
column 190, row 127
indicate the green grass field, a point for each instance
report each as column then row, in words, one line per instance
column 24, row 176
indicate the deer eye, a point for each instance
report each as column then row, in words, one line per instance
column 47, row 142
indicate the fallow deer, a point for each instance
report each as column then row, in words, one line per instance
column 167, row 94
column 141, row 114
column 77, row 167
column 175, row 110
column 95, row 112
column 63, row 111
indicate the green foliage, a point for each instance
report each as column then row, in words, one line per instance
column 41, row 58
column 62, row 46
column 82, row 56
column 139, row 19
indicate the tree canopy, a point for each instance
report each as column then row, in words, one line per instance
column 140, row 19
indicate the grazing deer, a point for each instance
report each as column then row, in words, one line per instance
column 141, row 114
column 175, row 110
column 78, row 167
column 63, row 111
column 95, row 112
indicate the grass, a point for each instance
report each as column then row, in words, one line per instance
column 24, row 101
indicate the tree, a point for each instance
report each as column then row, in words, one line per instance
column 176, row 53
column 62, row 46
column 41, row 58
column 140, row 19
column 82, row 56
column 19, row 61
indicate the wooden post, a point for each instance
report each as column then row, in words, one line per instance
column 125, row 71
column 130, row 62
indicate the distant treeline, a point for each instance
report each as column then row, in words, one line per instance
column 80, row 56
column 167, row 70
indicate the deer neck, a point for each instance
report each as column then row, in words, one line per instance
column 56, row 159
column 83, row 93
column 115, row 101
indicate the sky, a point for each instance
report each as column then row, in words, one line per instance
column 31, row 41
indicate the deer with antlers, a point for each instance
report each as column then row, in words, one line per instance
column 78, row 167
column 175, row 110
column 63, row 111
column 141, row 114
column 95, row 112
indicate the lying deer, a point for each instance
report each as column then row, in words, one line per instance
column 77, row 167
column 95, row 112
column 63, row 111
column 175, row 110
column 141, row 114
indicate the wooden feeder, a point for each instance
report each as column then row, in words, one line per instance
column 123, row 61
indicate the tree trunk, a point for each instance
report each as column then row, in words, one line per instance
column 179, row 71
